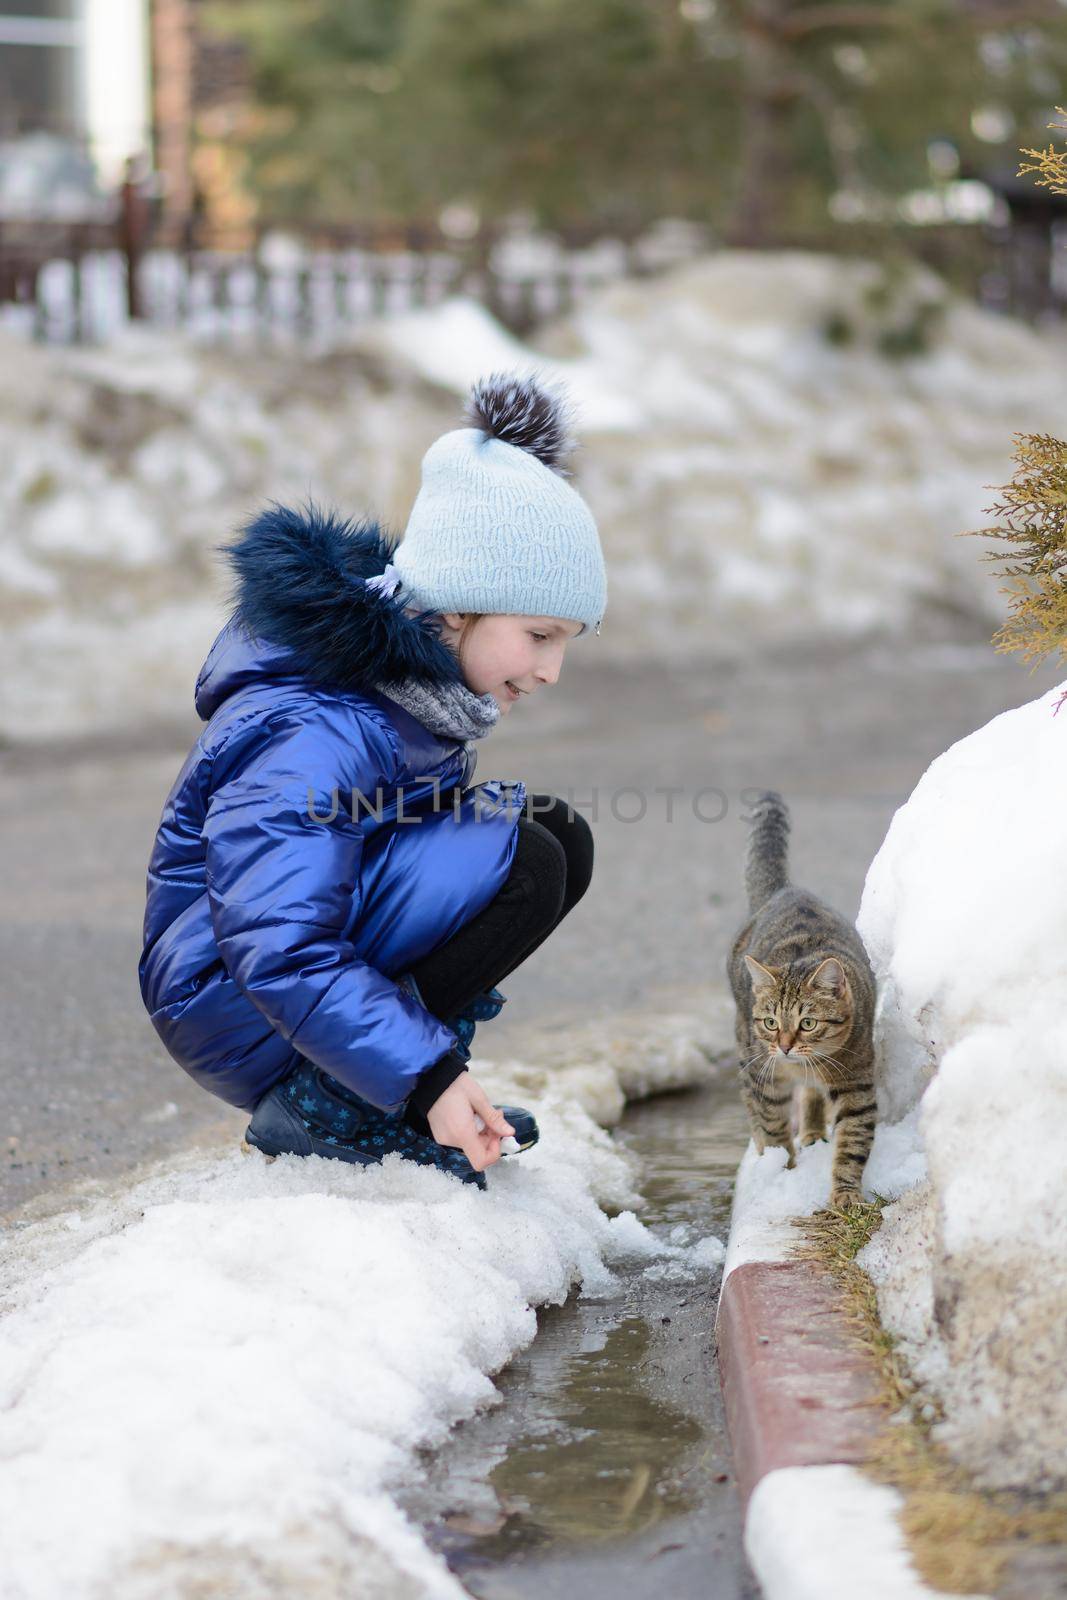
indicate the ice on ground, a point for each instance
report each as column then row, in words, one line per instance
column 231, row 1367
column 686, row 1260
column 750, row 479
column 965, row 918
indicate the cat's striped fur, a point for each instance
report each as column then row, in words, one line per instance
column 805, row 998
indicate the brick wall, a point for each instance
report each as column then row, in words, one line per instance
column 198, row 88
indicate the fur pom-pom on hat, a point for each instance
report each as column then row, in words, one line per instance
column 522, row 412
column 496, row 527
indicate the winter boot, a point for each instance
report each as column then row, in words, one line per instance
column 310, row 1114
column 482, row 1008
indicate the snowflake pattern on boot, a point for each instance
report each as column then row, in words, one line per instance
column 332, row 1114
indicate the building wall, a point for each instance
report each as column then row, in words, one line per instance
column 173, row 55
column 199, row 88
column 117, row 84
column 73, row 99
column 42, row 68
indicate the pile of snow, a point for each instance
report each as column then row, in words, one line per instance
column 965, row 918
column 768, row 1196
column 810, row 1530
column 230, row 1367
column 125, row 467
column 750, row 479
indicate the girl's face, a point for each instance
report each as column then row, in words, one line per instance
column 509, row 656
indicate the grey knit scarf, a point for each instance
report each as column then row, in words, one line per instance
column 449, row 709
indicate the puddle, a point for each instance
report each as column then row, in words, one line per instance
column 609, row 1467
column 607, row 1463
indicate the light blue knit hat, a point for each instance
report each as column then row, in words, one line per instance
column 495, row 526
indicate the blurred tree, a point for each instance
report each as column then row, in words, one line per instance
column 845, row 99
column 610, row 111
column 750, row 114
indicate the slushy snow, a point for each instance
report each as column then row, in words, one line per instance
column 218, row 1378
column 965, row 918
column 750, row 480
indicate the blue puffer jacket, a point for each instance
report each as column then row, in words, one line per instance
column 269, row 934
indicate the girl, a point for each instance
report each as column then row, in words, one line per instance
column 330, row 902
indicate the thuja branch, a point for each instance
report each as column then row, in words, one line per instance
column 1050, row 164
column 1031, row 516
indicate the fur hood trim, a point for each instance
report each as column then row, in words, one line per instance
column 302, row 584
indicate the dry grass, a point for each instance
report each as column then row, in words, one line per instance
column 960, row 1536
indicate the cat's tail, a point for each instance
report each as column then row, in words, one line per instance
column 767, row 857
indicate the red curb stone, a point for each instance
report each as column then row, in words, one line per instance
column 798, row 1392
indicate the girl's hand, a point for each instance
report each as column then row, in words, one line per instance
column 464, row 1118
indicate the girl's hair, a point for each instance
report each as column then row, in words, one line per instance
column 465, row 630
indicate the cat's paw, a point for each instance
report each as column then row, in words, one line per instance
column 812, row 1137
column 845, row 1199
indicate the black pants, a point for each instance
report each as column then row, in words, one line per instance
column 551, row 870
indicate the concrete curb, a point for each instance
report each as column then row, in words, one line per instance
column 797, row 1392
column 802, row 1409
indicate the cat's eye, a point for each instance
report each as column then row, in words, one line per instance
column 769, row 1022
column 807, row 1022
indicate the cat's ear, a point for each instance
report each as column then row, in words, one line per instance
column 762, row 977
column 829, row 977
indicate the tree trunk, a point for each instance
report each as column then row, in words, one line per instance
column 768, row 95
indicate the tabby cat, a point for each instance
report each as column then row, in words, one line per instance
column 805, row 1007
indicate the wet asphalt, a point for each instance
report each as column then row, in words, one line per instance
column 606, row 1468
column 87, row 1091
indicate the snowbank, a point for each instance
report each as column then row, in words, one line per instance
column 965, row 918
column 230, row 1367
column 810, row 1530
column 768, row 1196
column 749, row 478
